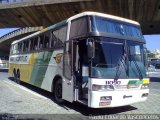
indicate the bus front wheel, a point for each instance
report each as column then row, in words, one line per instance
column 58, row 91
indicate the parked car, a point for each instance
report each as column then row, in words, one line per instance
column 154, row 68
column 154, row 62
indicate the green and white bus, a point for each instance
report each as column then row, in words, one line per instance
column 93, row 58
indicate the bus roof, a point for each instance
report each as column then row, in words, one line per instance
column 78, row 16
column 103, row 15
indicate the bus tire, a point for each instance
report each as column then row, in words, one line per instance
column 14, row 75
column 58, row 91
column 18, row 76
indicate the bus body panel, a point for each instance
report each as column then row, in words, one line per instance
column 55, row 67
column 39, row 69
column 126, row 92
column 119, row 98
column 24, row 63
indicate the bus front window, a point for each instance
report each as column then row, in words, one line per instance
column 112, row 58
column 136, row 60
column 107, row 54
column 100, row 24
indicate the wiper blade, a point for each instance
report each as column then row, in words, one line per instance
column 137, row 67
column 121, row 62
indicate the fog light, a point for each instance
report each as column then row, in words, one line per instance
column 144, row 95
column 145, row 86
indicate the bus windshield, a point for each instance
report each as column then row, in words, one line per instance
column 100, row 24
column 112, row 58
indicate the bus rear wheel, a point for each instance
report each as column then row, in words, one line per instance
column 58, row 91
column 14, row 74
column 18, row 76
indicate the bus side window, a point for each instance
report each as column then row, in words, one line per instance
column 55, row 38
column 32, row 44
column 41, row 42
column 62, row 33
column 46, row 40
column 19, row 47
column 59, row 37
column 54, row 35
column 15, row 48
column 52, row 41
column 35, row 45
column 26, row 46
column 23, row 49
column 11, row 50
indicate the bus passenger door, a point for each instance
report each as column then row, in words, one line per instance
column 68, row 84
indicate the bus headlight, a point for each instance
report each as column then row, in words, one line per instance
column 145, row 86
column 102, row 87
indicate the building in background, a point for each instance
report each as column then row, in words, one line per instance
column 156, row 52
column 153, row 54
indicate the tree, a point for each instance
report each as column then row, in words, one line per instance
column 151, row 55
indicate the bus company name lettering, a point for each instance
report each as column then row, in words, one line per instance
column 19, row 59
column 113, row 82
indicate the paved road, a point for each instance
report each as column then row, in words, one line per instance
column 27, row 100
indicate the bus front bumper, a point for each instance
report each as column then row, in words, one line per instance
column 101, row 99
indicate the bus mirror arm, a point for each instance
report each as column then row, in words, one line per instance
column 146, row 57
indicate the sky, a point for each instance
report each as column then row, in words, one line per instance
column 152, row 41
column 6, row 30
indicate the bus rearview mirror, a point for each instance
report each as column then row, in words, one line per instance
column 91, row 50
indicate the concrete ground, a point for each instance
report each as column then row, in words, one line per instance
column 27, row 101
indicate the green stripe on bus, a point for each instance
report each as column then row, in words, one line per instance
column 57, row 25
column 136, row 82
column 40, row 67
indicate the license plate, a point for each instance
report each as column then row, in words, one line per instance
column 104, row 103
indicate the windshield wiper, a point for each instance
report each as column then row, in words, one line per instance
column 137, row 67
column 121, row 62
